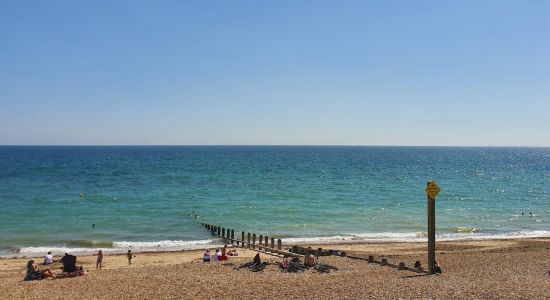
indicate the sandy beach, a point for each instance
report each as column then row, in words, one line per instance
column 490, row 269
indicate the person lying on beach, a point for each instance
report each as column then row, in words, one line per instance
column 232, row 252
column 79, row 271
column 48, row 259
column 33, row 273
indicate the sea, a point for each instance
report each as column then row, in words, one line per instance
column 79, row 199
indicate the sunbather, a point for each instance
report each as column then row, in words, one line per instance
column 309, row 260
column 33, row 273
column 79, row 271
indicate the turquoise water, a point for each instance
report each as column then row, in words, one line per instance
column 140, row 197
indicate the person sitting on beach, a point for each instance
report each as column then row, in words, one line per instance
column 99, row 261
column 218, row 256
column 232, row 252
column 206, row 256
column 33, row 273
column 48, row 259
column 224, row 253
column 309, row 260
column 69, row 262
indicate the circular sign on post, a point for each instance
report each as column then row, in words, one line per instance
column 432, row 190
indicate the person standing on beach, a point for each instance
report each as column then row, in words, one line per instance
column 99, row 261
column 129, row 256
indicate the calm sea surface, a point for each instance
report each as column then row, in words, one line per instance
column 140, row 197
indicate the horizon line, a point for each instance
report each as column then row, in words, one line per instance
column 264, row 145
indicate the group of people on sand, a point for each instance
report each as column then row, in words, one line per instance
column 69, row 268
column 219, row 255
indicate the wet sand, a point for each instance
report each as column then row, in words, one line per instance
column 492, row 269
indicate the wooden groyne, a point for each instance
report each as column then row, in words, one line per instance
column 252, row 241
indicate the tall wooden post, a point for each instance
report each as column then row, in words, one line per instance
column 253, row 241
column 279, row 244
column 232, row 236
column 223, row 233
column 273, row 242
column 432, row 190
column 249, row 246
column 260, row 242
column 219, row 231
column 242, row 237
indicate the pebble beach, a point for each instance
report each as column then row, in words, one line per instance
column 489, row 269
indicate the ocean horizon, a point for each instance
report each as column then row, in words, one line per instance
column 79, row 198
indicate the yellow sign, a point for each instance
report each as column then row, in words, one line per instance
column 432, row 190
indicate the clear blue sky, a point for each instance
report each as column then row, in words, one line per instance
column 275, row 72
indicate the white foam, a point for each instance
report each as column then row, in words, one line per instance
column 414, row 237
column 123, row 246
column 175, row 245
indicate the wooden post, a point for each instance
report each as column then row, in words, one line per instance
column 253, row 241
column 223, row 232
column 242, row 238
column 273, row 243
column 384, row 262
column 401, row 266
column 219, row 231
column 266, row 242
column 371, row 259
column 260, row 241
column 431, row 234
column 249, row 246
column 232, row 236
column 279, row 244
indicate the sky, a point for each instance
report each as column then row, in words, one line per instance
column 445, row 73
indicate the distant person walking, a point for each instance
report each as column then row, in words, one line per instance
column 129, row 255
column 99, row 261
